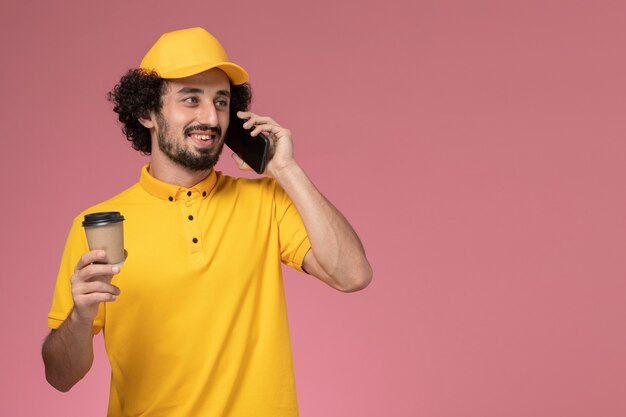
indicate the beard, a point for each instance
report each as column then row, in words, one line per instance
column 200, row 160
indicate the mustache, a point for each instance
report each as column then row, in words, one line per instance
column 205, row 128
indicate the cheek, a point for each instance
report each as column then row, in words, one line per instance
column 224, row 120
column 178, row 120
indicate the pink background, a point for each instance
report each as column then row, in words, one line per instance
column 477, row 147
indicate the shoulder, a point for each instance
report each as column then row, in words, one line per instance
column 262, row 186
column 247, row 193
column 129, row 197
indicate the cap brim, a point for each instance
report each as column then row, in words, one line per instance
column 235, row 73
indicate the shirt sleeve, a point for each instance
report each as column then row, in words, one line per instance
column 62, row 301
column 293, row 238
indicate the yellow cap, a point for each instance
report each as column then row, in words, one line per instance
column 186, row 52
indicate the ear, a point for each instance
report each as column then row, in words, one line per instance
column 147, row 120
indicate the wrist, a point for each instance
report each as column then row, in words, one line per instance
column 78, row 321
column 286, row 172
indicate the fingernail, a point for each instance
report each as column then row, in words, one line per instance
column 115, row 269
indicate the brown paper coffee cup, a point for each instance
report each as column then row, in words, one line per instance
column 105, row 230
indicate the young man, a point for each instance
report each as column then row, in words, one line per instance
column 195, row 321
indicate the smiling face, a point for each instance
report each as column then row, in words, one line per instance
column 189, row 130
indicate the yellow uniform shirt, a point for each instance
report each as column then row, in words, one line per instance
column 200, row 327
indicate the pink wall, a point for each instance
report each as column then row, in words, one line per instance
column 477, row 146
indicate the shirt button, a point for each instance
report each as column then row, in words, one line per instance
column 203, row 193
column 194, row 240
column 189, row 193
column 190, row 217
column 170, row 198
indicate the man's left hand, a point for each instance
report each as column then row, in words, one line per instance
column 281, row 145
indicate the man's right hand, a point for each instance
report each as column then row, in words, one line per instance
column 68, row 351
column 91, row 285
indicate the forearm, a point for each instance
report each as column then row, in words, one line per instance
column 336, row 256
column 68, row 353
column 334, row 243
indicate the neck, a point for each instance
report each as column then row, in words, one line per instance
column 166, row 170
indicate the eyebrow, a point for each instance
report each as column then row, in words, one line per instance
column 195, row 90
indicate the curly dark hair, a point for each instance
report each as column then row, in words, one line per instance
column 139, row 92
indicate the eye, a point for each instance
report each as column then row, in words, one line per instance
column 221, row 103
column 191, row 100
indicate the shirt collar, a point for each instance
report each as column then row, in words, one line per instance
column 172, row 192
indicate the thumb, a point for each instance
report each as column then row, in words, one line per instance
column 240, row 163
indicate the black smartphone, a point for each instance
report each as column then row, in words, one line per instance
column 253, row 150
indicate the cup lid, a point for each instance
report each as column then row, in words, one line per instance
column 102, row 218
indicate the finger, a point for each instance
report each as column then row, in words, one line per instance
column 85, row 288
column 240, row 163
column 245, row 115
column 89, row 258
column 96, row 272
column 272, row 129
column 97, row 298
column 255, row 119
column 248, row 119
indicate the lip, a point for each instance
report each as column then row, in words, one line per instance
column 202, row 138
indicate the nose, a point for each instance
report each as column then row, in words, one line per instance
column 208, row 115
